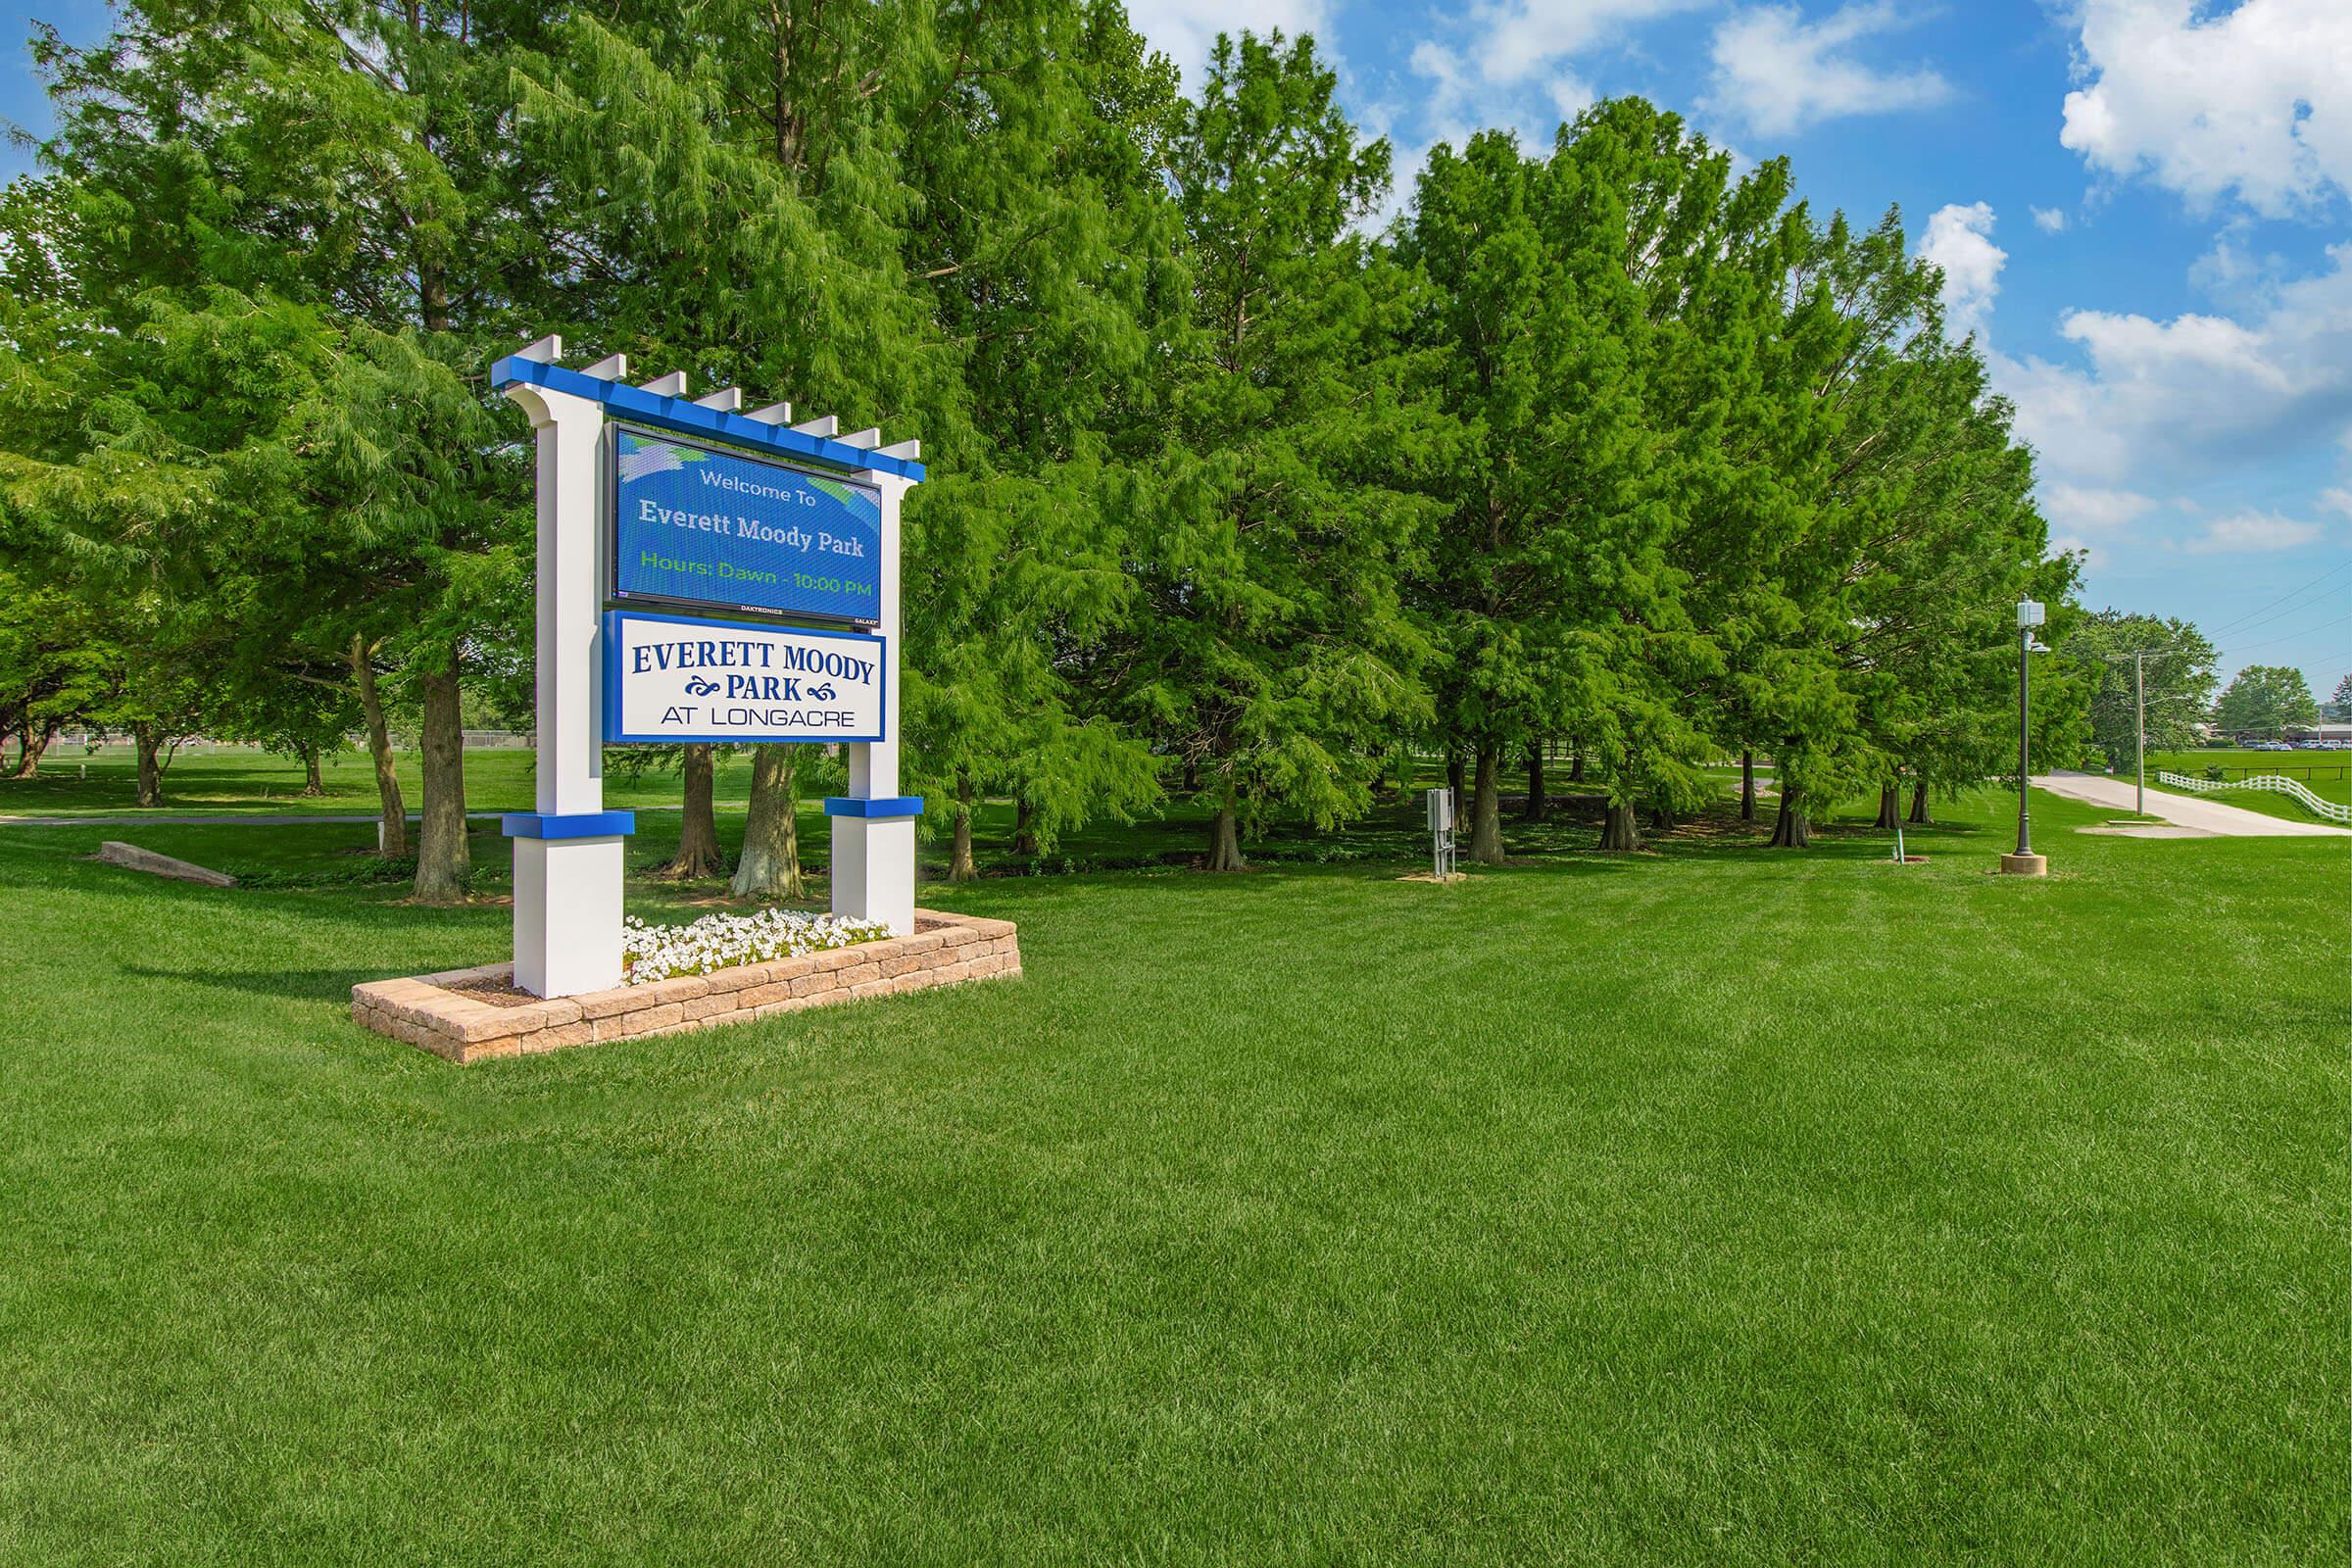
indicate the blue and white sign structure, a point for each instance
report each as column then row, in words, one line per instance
column 698, row 524
column 568, row 853
column 670, row 678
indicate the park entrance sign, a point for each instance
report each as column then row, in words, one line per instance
column 669, row 678
column 697, row 524
column 648, row 497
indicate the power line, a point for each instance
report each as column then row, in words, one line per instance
column 2291, row 636
column 2239, row 623
column 2292, row 608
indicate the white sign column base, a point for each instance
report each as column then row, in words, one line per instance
column 567, row 914
column 873, row 864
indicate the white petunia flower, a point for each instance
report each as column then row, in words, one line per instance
column 715, row 942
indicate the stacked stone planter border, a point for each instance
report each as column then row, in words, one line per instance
column 448, row 1014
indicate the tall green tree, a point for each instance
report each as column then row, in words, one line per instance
column 726, row 199
column 1268, row 653
column 1533, row 337
column 1716, row 581
column 2174, row 663
column 2263, row 702
column 904, row 215
column 1946, row 541
column 51, row 674
column 355, row 162
column 1049, row 244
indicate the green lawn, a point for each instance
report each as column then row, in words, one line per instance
column 1719, row 1206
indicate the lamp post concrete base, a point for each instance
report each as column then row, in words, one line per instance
column 2024, row 866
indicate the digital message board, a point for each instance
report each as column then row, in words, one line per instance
column 669, row 678
column 702, row 525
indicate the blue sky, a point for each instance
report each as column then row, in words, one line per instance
column 2141, row 205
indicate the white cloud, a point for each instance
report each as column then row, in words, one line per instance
column 2255, row 102
column 1515, row 75
column 2171, row 404
column 2049, row 220
column 2084, row 508
column 1570, row 96
column 1959, row 241
column 2251, row 532
column 2091, row 521
column 2191, row 404
column 2094, row 555
column 1450, row 80
column 1521, row 40
column 1185, row 29
column 1776, row 72
column 2221, row 269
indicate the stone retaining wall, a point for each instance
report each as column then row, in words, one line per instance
column 469, row 1015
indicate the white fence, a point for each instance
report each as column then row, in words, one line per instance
column 2294, row 787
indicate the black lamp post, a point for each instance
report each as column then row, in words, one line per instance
column 2023, row 862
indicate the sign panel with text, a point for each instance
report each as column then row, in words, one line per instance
column 671, row 678
column 703, row 526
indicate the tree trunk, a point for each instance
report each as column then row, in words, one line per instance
column 1576, row 767
column 1486, row 810
column 1919, row 805
column 444, row 863
column 1453, row 777
column 1661, row 817
column 393, row 812
column 1535, row 784
column 151, row 773
column 959, row 858
column 770, row 867
column 1617, row 828
column 698, row 854
column 35, row 742
column 1225, row 842
column 314, row 775
column 1747, row 786
column 1024, row 834
column 1890, row 806
column 1791, row 830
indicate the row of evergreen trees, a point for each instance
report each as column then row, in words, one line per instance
column 1233, row 499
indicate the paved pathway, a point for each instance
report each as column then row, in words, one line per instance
column 2188, row 811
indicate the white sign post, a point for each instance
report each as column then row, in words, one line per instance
column 632, row 675
column 873, row 825
column 568, row 854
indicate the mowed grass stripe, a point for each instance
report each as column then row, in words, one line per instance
column 1710, row 1205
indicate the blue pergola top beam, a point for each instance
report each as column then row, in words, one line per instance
column 688, row 417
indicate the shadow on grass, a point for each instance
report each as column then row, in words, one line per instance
column 294, row 985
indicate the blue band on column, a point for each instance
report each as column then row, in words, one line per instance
column 579, row 825
column 889, row 807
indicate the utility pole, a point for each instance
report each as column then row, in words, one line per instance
column 2139, row 729
column 2139, row 711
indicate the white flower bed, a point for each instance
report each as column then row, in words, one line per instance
column 651, row 953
